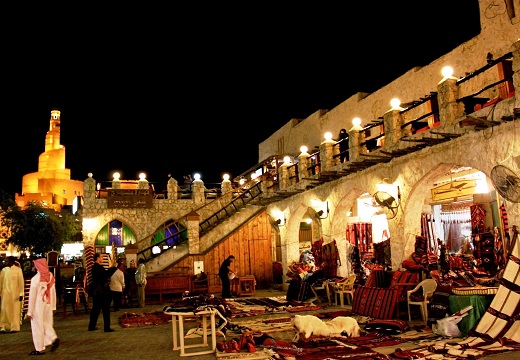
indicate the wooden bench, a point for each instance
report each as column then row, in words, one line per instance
column 168, row 282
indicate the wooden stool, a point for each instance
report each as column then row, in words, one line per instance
column 244, row 285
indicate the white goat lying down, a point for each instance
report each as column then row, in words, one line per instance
column 308, row 325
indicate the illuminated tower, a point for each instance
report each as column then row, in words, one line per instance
column 51, row 185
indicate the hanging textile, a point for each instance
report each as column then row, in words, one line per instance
column 485, row 253
column 508, row 246
column 478, row 219
column 317, row 251
column 500, row 259
column 457, row 229
column 330, row 260
column 428, row 231
column 360, row 235
column 383, row 255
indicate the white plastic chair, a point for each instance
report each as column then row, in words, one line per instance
column 427, row 288
column 344, row 288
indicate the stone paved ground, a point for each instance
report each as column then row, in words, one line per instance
column 136, row 343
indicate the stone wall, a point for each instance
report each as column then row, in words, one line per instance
column 498, row 33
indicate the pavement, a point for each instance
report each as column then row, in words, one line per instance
column 140, row 342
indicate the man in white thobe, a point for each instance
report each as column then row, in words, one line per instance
column 11, row 292
column 42, row 305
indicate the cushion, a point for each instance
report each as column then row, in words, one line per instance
column 375, row 302
column 412, row 265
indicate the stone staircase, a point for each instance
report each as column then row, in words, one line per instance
column 219, row 218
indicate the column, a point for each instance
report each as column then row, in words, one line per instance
column 326, row 153
column 393, row 133
column 197, row 187
column 193, row 232
column 172, row 187
column 516, row 76
column 303, row 165
column 355, row 138
column 447, row 95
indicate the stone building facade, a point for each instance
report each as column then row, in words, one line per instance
column 413, row 173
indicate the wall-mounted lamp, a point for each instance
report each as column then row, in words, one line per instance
column 280, row 222
column 323, row 214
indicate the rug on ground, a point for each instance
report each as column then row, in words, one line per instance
column 244, row 307
column 144, row 319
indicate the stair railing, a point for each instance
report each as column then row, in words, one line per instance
column 211, row 214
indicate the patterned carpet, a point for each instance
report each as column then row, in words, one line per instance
column 243, row 307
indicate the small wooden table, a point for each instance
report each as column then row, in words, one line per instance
column 178, row 327
column 244, row 285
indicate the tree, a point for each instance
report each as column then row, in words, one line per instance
column 6, row 200
column 37, row 229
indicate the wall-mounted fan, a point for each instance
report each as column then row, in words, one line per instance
column 507, row 182
column 387, row 203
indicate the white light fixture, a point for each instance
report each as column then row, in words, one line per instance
column 303, row 150
column 116, row 176
column 447, row 73
column 287, row 160
column 357, row 124
column 308, row 220
column 327, row 135
column 196, row 176
column 225, row 177
column 142, row 176
column 395, row 103
column 156, row 250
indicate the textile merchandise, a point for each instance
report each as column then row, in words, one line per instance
column 375, row 302
column 144, row 319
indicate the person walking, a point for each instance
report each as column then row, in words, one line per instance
column 343, row 146
column 140, row 279
column 11, row 293
column 41, row 308
column 224, row 272
column 101, row 294
column 117, row 284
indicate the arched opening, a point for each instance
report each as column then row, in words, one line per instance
column 115, row 233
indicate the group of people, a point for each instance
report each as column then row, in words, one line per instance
column 107, row 286
column 41, row 303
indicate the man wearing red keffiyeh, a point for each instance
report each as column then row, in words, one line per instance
column 42, row 304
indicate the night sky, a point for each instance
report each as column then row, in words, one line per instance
column 179, row 91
